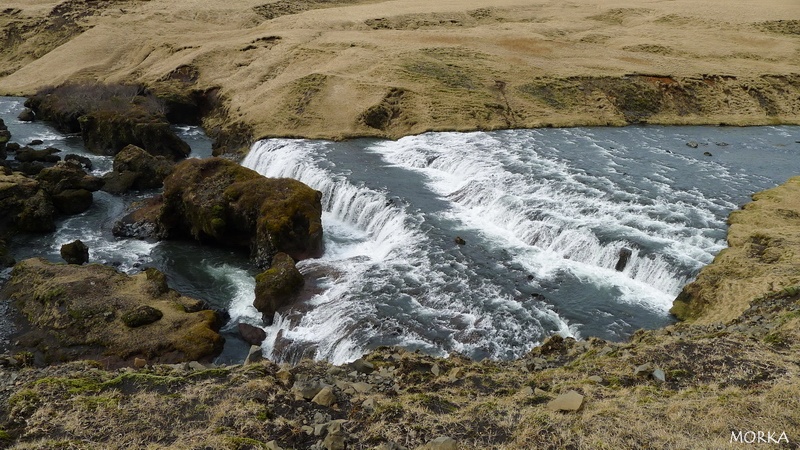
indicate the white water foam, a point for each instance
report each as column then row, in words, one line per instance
column 534, row 202
column 382, row 278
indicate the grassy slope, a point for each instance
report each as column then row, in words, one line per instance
column 313, row 68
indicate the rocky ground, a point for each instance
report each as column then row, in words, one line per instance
column 690, row 385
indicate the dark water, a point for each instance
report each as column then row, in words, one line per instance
column 544, row 214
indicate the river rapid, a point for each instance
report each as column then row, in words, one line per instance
column 542, row 214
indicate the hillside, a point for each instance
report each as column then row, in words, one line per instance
column 342, row 68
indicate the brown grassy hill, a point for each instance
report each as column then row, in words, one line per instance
column 339, row 68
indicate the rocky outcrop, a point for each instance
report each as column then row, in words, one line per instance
column 136, row 169
column 69, row 186
column 76, row 252
column 93, row 311
column 46, row 155
column 763, row 257
column 110, row 117
column 5, row 136
column 24, row 206
column 142, row 222
column 277, row 286
column 250, row 334
column 216, row 200
column 27, row 115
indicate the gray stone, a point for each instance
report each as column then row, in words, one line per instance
column 526, row 391
column 254, row 354
column 692, row 144
column 335, row 441
column 362, row 388
column 390, row 446
column 362, row 366
column 441, row 443
column 659, row 375
column 569, row 401
column 325, row 397
column 595, row 379
column 643, row 370
column 435, row 370
column 273, row 445
column 369, row 403
column 306, row 390
column 194, row 365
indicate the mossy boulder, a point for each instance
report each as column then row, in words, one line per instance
column 106, row 133
column 76, row 252
column 24, row 206
column 216, row 200
column 136, row 169
column 110, row 117
column 95, row 312
column 277, row 286
column 6, row 259
column 140, row 316
column 69, row 186
column 45, row 155
column 143, row 221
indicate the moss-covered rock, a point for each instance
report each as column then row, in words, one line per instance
column 136, row 169
column 95, row 312
column 277, row 286
column 217, row 200
column 107, row 133
column 69, row 186
column 75, row 252
column 24, row 206
column 110, row 117
column 6, row 260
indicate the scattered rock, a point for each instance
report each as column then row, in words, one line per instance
column 623, row 257
column 596, row 379
column 27, row 115
column 692, row 144
column 83, row 161
column 76, row 252
column 255, row 354
column 141, row 316
column 460, row 241
column 362, row 366
column 569, row 401
column 707, row 154
column 527, row 391
column 47, row 155
column 306, row 390
column 273, row 445
column 643, row 370
column 250, row 334
column 659, row 375
column 136, row 169
column 36, row 142
column 435, row 370
column 361, row 387
column 335, row 441
column 369, row 404
column 285, row 376
column 139, row 363
column 277, row 286
column 12, row 146
column 721, row 144
column 441, row 443
column 325, row 397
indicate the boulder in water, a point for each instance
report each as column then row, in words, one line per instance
column 136, row 169
column 24, row 206
column 76, row 252
column 278, row 286
column 69, row 186
column 46, row 155
column 27, row 115
column 624, row 256
column 217, row 200
column 250, row 334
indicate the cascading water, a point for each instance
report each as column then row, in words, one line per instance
column 545, row 214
